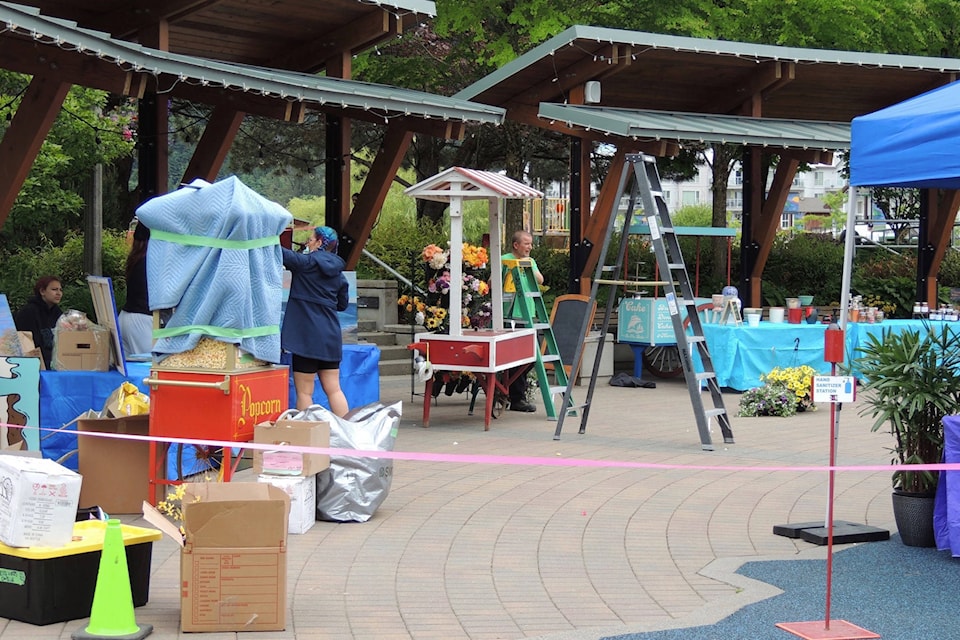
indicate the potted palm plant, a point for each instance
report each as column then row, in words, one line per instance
column 912, row 380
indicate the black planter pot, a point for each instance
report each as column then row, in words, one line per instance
column 914, row 515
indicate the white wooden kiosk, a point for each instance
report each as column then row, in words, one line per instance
column 482, row 352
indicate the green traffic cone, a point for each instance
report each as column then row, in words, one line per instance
column 111, row 616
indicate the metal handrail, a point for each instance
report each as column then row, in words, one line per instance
column 396, row 274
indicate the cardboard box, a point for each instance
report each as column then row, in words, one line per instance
column 82, row 351
column 53, row 584
column 303, row 499
column 38, row 502
column 116, row 473
column 300, row 433
column 233, row 565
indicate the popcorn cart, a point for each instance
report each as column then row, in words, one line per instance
column 222, row 404
column 214, row 267
column 485, row 353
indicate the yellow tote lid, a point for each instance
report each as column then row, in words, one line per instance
column 87, row 537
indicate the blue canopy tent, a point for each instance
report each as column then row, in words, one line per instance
column 913, row 143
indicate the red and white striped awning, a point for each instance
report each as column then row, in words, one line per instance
column 458, row 182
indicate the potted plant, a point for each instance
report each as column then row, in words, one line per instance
column 912, row 380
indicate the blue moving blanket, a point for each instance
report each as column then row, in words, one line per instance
column 214, row 256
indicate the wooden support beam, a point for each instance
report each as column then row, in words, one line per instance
column 129, row 18
column 36, row 59
column 215, row 143
column 609, row 60
column 361, row 34
column 355, row 233
column 338, row 150
column 765, row 226
column 942, row 212
column 768, row 76
column 809, row 156
column 21, row 143
column 154, row 124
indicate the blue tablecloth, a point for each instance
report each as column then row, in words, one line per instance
column 64, row 395
column 741, row 353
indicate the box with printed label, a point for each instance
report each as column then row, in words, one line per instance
column 233, row 562
column 303, row 499
column 38, row 502
column 300, row 433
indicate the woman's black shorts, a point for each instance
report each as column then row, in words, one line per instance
column 303, row 364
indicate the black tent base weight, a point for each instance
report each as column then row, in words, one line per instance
column 843, row 532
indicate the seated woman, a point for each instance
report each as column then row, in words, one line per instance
column 40, row 314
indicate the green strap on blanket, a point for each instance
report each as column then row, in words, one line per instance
column 217, row 332
column 214, row 243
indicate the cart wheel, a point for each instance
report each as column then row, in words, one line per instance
column 663, row 362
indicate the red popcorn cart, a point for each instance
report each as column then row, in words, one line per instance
column 222, row 405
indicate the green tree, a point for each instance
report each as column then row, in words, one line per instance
column 92, row 128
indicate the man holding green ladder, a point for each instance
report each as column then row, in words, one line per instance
column 522, row 245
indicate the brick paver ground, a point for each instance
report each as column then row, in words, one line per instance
column 485, row 551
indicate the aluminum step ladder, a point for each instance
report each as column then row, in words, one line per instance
column 641, row 181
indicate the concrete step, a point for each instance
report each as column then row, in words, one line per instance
column 395, row 367
column 404, row 332
column 395, row 352
column 379, row 338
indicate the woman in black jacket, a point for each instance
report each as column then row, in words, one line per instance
column 40, row 314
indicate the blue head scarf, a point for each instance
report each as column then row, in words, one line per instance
column 327, row 237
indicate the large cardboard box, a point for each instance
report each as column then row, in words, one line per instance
column 44, row 585
column 300, row 433
column 38, row 501
column 116, row 473
column 303, row 499
column 82, row 351
column 233, row 566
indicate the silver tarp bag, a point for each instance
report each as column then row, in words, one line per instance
column 352, row 488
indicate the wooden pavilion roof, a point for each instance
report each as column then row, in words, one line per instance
column 299, row 35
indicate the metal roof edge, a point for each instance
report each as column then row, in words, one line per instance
column 419, row 7
column 704, row 45
column 700, row 127
column 284, row 84
column 565, row 37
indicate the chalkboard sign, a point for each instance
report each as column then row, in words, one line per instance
column 566, row 320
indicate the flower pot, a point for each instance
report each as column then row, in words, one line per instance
column 776, row 314
column 913, row 513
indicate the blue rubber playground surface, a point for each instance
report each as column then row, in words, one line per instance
column 898, row 592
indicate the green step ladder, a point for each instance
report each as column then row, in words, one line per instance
column 526, row 308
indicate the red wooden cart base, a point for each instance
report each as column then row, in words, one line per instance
column 158, row 467
column 490, row 384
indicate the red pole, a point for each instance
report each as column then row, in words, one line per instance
column 830, row 490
